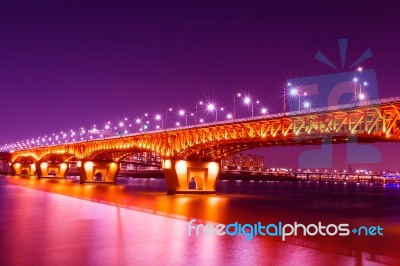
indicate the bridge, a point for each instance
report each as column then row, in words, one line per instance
column 193, row 153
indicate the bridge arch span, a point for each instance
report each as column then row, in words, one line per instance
column 57, row 157
column 25, row 159
column 24, row 164
column 113, row 154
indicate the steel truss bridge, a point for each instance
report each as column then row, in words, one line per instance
column 194, row 153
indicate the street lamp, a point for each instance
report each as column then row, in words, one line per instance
column 158, row 118
column 234, row 103
column 247, row 100
column 355, row 80
column 307, row 104
column 211, row 108
column 264, row 111
column 294, row 92
column 183, row 113
column 166, row 116
column 140, row 121
column 195, row 116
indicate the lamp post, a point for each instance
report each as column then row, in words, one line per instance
column 304, row 94
column 247, row 100
column 264, row 111
column 141, row 121
column 166, row 116
column 355, row 80
column 211, row 108
column 362, row 95
column 234, row 103
column 195, row 115
column 294, row 92
column 284, row 96
column 158, row 118
column 183, row 114
column 122, row 125
column 307, row 105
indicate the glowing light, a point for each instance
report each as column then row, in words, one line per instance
column 365, row 83
column 359, row 69
column 355, row 79
column 293, row 92
column 181, row 112
column 158, row 117
column 210, row 107
column 361, row 96
column 307, row 105
column 181, row 167
column 213, row 168
column 264, row 110
column 138, row 120
column 247, row 100
column 229, row 116
column 167, row 164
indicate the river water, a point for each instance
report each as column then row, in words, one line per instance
column 60, row 222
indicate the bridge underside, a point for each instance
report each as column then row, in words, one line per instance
column 98, row 171
column 51, row 169
column 24, row 168
column 185, row 176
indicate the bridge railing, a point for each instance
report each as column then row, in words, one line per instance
column 246, row 119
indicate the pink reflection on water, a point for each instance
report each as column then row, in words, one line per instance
column 45, row 228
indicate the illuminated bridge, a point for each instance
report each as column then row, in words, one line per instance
column 193, row 153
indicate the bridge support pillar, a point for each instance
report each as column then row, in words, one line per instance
column 23, row 168
column 45, row 169
column 191, row 177
column 91, row 171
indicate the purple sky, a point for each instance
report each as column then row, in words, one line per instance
column 68, row 65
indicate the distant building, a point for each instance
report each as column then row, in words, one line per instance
column 241, row 161
column 145, row 158
column 143, row 161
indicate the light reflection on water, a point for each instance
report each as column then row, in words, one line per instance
column 45, row 228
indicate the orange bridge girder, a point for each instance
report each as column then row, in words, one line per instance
column 369, row 123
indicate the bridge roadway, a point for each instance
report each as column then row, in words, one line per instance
column 192, row 154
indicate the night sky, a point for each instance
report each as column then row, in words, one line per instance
column 67, row 65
